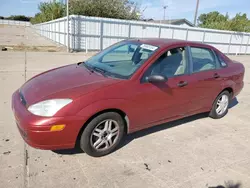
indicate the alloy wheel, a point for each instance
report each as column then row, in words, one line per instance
column 222, row 104
column 104, row 135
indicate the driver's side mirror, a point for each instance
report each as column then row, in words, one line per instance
column 156, row 79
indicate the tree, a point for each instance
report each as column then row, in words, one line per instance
column 215, row 20
column 120, row 9
column 1, row 18
column 49, row 11
column 240, row 23
column 18, row 18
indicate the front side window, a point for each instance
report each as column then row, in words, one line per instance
column 122, row 60
column 171, row 63
column 203, row 59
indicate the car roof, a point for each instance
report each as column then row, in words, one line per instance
column 162, row 43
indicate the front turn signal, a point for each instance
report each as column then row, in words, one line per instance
column 57, row 127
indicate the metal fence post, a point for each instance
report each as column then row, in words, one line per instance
column 229, row 45
column 65, row 32
column 45, row 27
column 172, row 33
column 72, row 26
column 51, row 27
column 129, row 30
column 187, row 34
column 204, row 35
column 159, row 31
column 54, row 31
column 101, row 35
column 59, row 32
column 86, row 44
column 247, row 44
column 51, row 30
column 241, row 42
column 68, row 47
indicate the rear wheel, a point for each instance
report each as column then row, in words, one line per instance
column 220, row 106
column 103, row 134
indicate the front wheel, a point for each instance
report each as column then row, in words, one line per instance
column 220, row 106
column 103, row 134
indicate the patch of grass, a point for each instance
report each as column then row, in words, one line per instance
column 50, row 50
column 22, row 47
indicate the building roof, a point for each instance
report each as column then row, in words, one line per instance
column 160, row 42
column 174, row 22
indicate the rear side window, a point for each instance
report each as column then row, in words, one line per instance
column 221, row 60
column 203, row 59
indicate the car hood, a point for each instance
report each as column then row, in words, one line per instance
column 69, row 81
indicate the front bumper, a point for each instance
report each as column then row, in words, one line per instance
column 35, row 130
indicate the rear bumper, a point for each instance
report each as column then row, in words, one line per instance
column 35, row 130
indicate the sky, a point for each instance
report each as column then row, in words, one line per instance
column 176, row 9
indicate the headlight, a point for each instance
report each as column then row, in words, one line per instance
column 48, row 108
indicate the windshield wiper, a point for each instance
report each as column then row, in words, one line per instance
column 79, row 63
column 87, row 67
column 92, row 69
column 97, row 69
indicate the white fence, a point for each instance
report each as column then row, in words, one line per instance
column 91, row 33
column 14, row 22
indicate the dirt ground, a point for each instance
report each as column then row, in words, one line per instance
column 20, row 38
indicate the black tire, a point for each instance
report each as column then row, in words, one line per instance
column 213, row 114
column 85, row 142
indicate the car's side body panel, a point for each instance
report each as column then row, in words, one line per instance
column 144, row 104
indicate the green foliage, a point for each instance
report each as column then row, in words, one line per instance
column 215, row 20
column 49, row 11
column 120, row 9
column 18, row 18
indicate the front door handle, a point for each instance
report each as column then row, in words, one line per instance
column 182, row 83
column 216, row 75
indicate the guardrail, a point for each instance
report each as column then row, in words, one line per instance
column 92, row 33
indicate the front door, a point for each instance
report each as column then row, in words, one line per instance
column 165, row 100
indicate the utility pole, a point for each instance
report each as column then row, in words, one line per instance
column 68, row 47
column 196, row 11
column 164, row 17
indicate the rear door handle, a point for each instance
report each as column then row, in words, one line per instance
column 216, row 75
column 182, row 83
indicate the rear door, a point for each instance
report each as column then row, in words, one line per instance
column 205, row 74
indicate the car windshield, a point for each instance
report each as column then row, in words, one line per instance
column 122, row 59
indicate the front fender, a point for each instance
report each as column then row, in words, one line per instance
column 101, row 105
column 110, row 104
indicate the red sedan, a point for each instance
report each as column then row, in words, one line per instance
column 129, row 86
